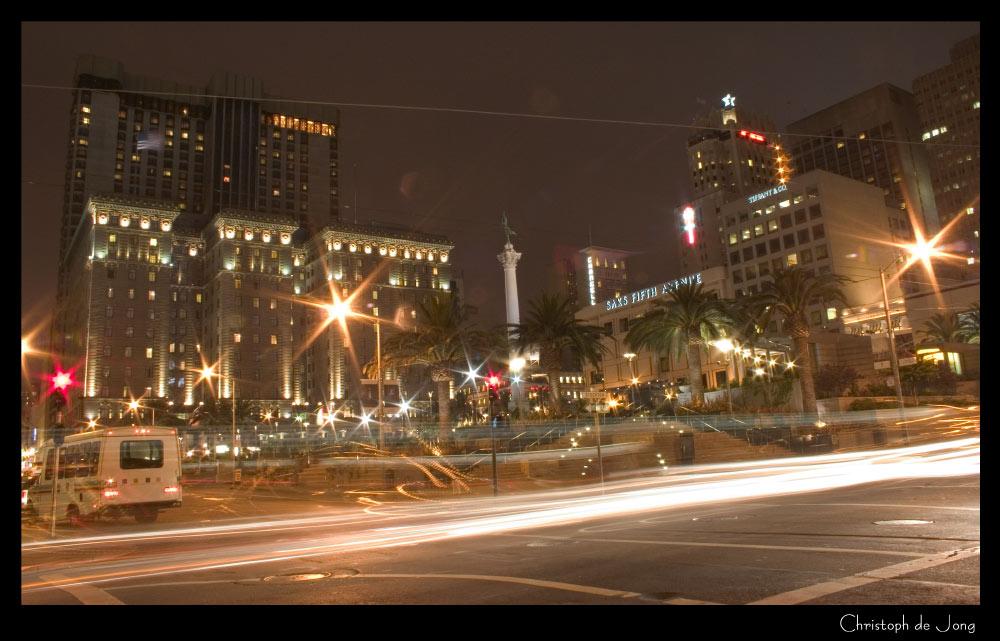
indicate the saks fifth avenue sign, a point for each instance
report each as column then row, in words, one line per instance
column 651, row 292
column 764, row 194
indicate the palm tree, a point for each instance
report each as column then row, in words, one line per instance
column 969, row 320
column 791, row 293
column 946, row 328
column 551, row 326
column 687, row 322
column 442, row 340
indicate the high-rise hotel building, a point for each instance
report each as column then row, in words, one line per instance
column 947, row 100
column 198, row 225
column 873, row 137
column 730, row 155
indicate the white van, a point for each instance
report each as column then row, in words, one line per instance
column 111, row 472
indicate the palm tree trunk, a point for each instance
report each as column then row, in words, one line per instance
column 444, row 406
column 800, row 344
column 694, row 372
column 554, row 394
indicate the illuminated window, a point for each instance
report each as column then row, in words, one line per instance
column 733, row 239
column 274, row 337
column 237, row 338
column 793, row 259
column 745, row 234
column 149, row 352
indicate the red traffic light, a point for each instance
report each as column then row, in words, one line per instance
column 61, row 381
column 494, row 381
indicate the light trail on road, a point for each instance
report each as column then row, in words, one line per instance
column 395, row 525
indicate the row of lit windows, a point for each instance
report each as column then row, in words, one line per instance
column 151, row 294
column 802, row 257
column 301, row 124
column 784, row 221
column 238, row 338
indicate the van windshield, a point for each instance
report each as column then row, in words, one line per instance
column 138, row 455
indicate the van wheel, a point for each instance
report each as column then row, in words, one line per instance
column 145, row 515
column 72, row 512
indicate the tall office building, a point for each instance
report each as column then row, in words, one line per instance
column 869, row 137
column 730, row 155
column 229, row 145
column 947, row 101
column 201, row 228
column 602, row 275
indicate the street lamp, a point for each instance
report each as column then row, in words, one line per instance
column 631, row 368
column 726, row 346
column 208, row 372
column 516, row 365
column 339, row 310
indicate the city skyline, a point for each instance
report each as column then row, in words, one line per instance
column 447, row 162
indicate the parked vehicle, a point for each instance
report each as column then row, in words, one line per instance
column 132, row 471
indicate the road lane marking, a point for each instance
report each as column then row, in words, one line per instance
column 811, row 592
column 893, row 505
column 558, row 585
column 84, row 593
column 783, row 548
column 681, row 601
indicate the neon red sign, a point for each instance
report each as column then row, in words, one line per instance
column 749, row 135
column 688, row 216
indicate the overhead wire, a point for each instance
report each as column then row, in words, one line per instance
column 484, row 112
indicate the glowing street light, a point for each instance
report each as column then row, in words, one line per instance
column 726, row 346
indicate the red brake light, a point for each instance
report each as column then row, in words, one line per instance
column 173, row 489
column 110, row 493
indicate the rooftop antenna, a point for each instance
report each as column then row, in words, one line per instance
column 590, row 234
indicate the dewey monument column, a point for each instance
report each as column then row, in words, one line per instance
column 508, row 258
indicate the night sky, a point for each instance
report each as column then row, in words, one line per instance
column 455, row 173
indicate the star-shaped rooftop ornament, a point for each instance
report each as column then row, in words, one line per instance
column 729, row 100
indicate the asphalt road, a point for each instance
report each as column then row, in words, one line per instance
column 889, row 529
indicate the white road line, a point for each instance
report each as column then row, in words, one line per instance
column 505, row 579
column 922, row 507
column 782, row 548
column 86, row 594
column 680, row 601
column 811, row 592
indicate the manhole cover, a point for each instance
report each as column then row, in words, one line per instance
column 903, row 522
column 299, row 577
column 295, row 578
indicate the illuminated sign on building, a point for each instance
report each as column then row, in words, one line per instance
column 729, row 100
column 688, row 216
column 749, row 135
column 590, row 276
column 652, row 292
column 765, row 194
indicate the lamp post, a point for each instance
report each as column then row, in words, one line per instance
column 208, row 372
column 631, row 368
column 893, row 359
column 726, row 346
column 340, row 310
column 516, row 365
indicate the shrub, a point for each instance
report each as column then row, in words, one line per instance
column 878, row 389
column 863, row 404
column 832, row 380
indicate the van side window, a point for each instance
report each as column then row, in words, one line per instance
column 140, row 455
